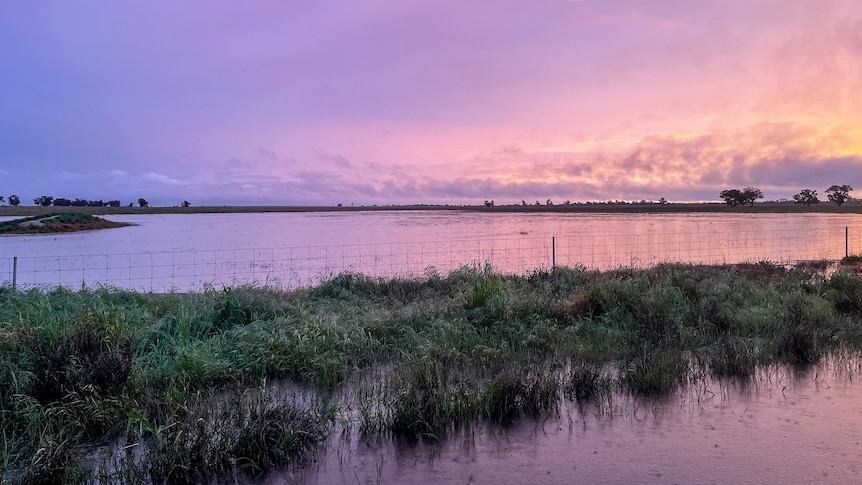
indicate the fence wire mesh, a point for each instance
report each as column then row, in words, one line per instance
column 302, row 266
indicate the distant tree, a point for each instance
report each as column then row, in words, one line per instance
column 662, row 201
column 567, row 202
column 537, row 203
column 2, row 199
column 523, row 202
column 839, row 194
column 142, row 202
column 44, row 201
column 751, row 194
column 131, row 204
column 807, row 197
column 489, row 203
column 62, row 202
column 14, row 200
column 736, row 197
column 731, row 197
column 113, row 203
column 78, row 202
column 548, row 202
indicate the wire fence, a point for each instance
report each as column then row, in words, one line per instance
column 296, row 267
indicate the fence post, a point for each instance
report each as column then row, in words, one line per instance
column 14, row 272
column 846, row 241
column 553, row 252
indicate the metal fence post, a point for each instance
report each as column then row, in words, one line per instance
column 15, row 272
column 553, row 252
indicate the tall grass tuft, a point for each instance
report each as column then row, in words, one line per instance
column 807, row 320
column 229, row 312
column 85, row 362
column 485, row 298
column 586, row 383
column 52, row 461
column 250, row 432
column 511, row 394
column 655, row 372
column 844, row 290
column 425, row 401
column 733, row 357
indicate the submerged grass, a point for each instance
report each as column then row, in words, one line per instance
column 175, row 378
column 586, row 383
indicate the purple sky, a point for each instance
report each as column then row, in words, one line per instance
column 414, row 101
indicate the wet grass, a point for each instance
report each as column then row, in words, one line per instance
column 249, row 432
column 852, row 260
column 170, row 384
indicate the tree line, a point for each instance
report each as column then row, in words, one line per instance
column 48, row 201
column 839, row 194
column 13, row 200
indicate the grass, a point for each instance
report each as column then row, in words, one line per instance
column 54, row 222
column 171, row 384
column 586, row 383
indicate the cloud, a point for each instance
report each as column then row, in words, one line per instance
column 780, row 157
column 96, row 175
column 335, row 160
column 162, row 179
column 313, row 102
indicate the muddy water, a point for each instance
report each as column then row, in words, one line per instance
column 783, row 426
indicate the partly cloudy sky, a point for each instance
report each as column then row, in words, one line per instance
column 428, row 101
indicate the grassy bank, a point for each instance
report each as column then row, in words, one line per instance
column 127, row 386
column 57, row 222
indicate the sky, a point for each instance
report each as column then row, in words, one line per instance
column 322, row 102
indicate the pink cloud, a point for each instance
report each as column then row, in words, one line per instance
column 395, row 101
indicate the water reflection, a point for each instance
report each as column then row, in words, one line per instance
column 164, row 252
column 785, row 425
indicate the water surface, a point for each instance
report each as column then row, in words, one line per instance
column 784, row 426
column 185, row 251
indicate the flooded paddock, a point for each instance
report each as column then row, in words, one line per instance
column 784, row 425
column 291, row 250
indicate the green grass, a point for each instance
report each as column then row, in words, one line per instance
column 152, row 374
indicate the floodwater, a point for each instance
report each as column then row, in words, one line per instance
column 784, row 426
column 164, row 252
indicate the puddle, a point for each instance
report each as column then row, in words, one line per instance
column 784, row 425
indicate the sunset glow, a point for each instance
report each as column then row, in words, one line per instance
column 390, row 102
